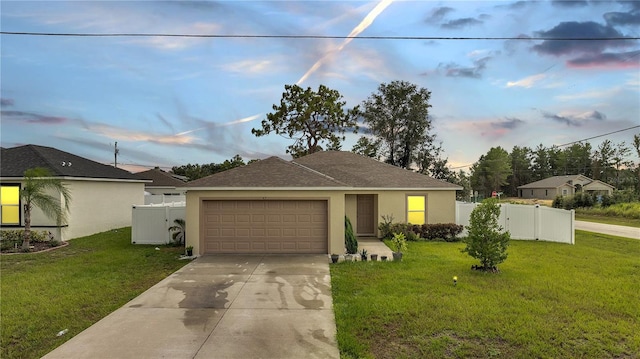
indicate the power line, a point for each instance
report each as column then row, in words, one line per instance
column 564, row 144
column 248, row 36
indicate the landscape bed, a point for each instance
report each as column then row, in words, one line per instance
column 548, row 300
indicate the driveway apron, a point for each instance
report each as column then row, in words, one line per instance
column 223, row 306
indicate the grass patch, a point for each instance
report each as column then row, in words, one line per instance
column 619, row 221
column 550, row 300
column 74, row 287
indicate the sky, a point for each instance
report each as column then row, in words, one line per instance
column 172, row 100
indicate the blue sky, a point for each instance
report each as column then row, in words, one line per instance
column 176, row 100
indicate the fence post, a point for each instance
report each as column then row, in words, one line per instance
column 573, row 227
column 536, row 222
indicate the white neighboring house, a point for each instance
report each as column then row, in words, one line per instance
column 550, row 188
column 102, row 196
column 164, row 187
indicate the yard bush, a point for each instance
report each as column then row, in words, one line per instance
column 441, row 231
column 350, row 241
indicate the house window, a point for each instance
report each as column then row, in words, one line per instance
column 546, row 192
column 10, row 204
column 416, row 209
column 564, row 192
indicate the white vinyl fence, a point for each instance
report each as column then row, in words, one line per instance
column 164, row 199
column 528, row 222
column 150, row 223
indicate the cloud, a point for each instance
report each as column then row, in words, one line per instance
column 597, row 94
column 35, row 118
column 607, row 60
column 622, row 18
column 510, row 123
column 250, row 66
column 575, row 120
column 578, row 30
column 461, row 23
column 475, row 72
column 6, row 102
column 570, row 3
column 526, row 82
column 438, row 14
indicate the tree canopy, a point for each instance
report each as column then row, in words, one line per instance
column 193, row 172
column 397, row 117
column 491, row 171
column 315, row 120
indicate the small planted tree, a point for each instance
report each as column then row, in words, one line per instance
column 350, row 241
column 37, row 182
column 486, row 240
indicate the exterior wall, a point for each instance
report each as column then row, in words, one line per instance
column 351, row 209
column 598, row 187
column 98, row 206
column 440, row 208
column 335, row 217
column 546, row 193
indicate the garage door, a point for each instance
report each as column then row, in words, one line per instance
column 256, row 226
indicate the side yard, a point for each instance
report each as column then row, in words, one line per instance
column 73, row 287
column 549, row 300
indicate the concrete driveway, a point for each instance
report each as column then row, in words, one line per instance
column 621, row 231
column 230, row 306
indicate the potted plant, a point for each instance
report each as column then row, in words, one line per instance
column 374, row 257
column 398, row 244
column 189, row 250
column 363, row 255
column 383, row 258
column 334, row 258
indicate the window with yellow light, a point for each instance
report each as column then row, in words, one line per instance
column 416, row 209
column 10, row 204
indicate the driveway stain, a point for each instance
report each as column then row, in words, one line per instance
column 197, row 297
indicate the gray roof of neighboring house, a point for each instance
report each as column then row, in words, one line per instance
column 16, row 160
column 322, row 169
column 551, row 182
column 160, row 178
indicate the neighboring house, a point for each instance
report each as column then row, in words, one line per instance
column 102, row 196
column 278, row 206
column 163, row 188
column 550, row 188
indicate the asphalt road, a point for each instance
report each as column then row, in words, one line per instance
column 621, row 231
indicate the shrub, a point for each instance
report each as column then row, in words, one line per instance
column 442, row 231
column 385, row 226
column 350, row 241
column 9, row 238
column 486, row 241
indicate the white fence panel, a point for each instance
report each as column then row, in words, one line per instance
column 163, row 199
column 150, row 224
column 559, row 225
column 527, row 222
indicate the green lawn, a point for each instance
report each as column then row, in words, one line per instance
column 620, row 221
column 549, row 300
column 74, row 287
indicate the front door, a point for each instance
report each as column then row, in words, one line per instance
column 366, row 215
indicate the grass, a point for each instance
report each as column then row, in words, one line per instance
column 74, row 287
column 620, row 221
column 549, row 300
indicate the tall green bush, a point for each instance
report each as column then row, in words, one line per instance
column 350, row 241
column 486, row 240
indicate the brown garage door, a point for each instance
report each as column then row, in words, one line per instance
column 256, row 226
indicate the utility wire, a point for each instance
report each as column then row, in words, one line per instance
column 247, row 36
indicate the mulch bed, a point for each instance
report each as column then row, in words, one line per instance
column 37, row 247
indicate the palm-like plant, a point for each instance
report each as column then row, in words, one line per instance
column 37, row 182
column 178, row 230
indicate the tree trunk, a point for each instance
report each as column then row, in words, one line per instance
column 27, row 228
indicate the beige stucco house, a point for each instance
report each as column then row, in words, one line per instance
column 278, row 206
column 102, row 196
column 550, row 188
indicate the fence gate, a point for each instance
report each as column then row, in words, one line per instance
column 150, row 224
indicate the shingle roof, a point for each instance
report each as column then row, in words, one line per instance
column 16, row 160
column 160, row 178
column 551, row 182
column 322, row 169
column 365, row 172
column 270, row 172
